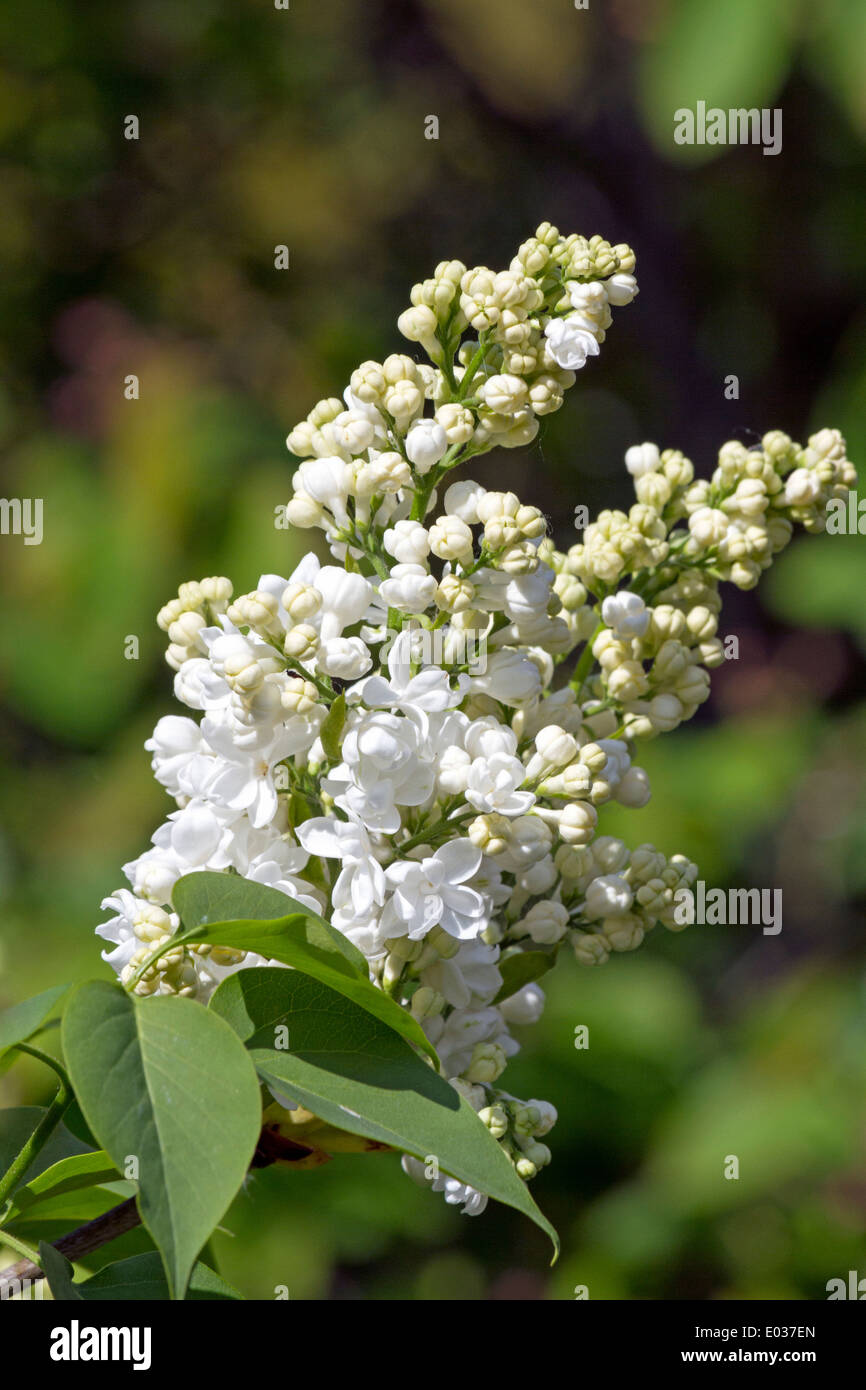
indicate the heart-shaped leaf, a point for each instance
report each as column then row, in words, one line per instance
column 226, row 910
column 166, row 1082
column 357, row 1074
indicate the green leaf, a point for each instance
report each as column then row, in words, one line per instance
column 141, row 1279
column 217, row 908
column 23, row 1020
column 520, row 968
column 333, row 727
column 165, row 1080
column 58, row 1272
column 68, row 1210
column 357, row 1074
column 68, row 1175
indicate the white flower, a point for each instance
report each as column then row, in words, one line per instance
column 641, row 459
column 708, row 525
column 432, row 893
column 463, row 1029
column 545, row 923
column 243, row 775
column 347, row 658
column 346, row 599
column 411, row 588
column 408, row 542
column 426, row 443
column 526, row 1006
column 462, row 498
column 427, row 691
column 504, row 393
column 181, row 759
column 469, row 978
column 633, row 788
column 486, row 737
column 354, row 431
column 382, row 770
column 570, row 342
column 456, row 1193
column 510, row 677
column 621, row 288
column 359, row 891
column 327, row 481
column 626, row 613
column 198, row 686
column 198, row 835
column 451, row 539
column 135, row 923
column 492, row 785
column 607, row 896
column 802, row 487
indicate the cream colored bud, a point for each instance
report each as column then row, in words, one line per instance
column 152, row 924
column 519, row 558
column 577, row 823
column 701, row 623
column 594, row 757
column 545, row 923
column 301, row 642
column 419, row 325
column 259, row 610
column 666, row 712
column 454, row 594
column 298, row 696
column 504, row 393
column 217, row 591
column 303, row 512
column 490, row 832
column 301, row 601
column 627, row 682
column 426, row 1003
column 496, row 1120
column 169, row 613
column 445, row 945
column 555, row 746
column 450, row 538
column 457, row 422
column 184, row 631
column 487, row 1064
column 190, row 594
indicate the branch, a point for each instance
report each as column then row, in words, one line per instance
column 80, row 1242
column 126, row 1217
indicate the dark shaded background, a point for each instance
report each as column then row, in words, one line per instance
column 261, row 127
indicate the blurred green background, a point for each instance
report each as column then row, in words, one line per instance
column 305, row 127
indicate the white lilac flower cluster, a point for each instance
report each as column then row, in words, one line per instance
column 446, row 819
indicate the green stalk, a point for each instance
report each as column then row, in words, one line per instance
column 581, row 670
column 45, row 1128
